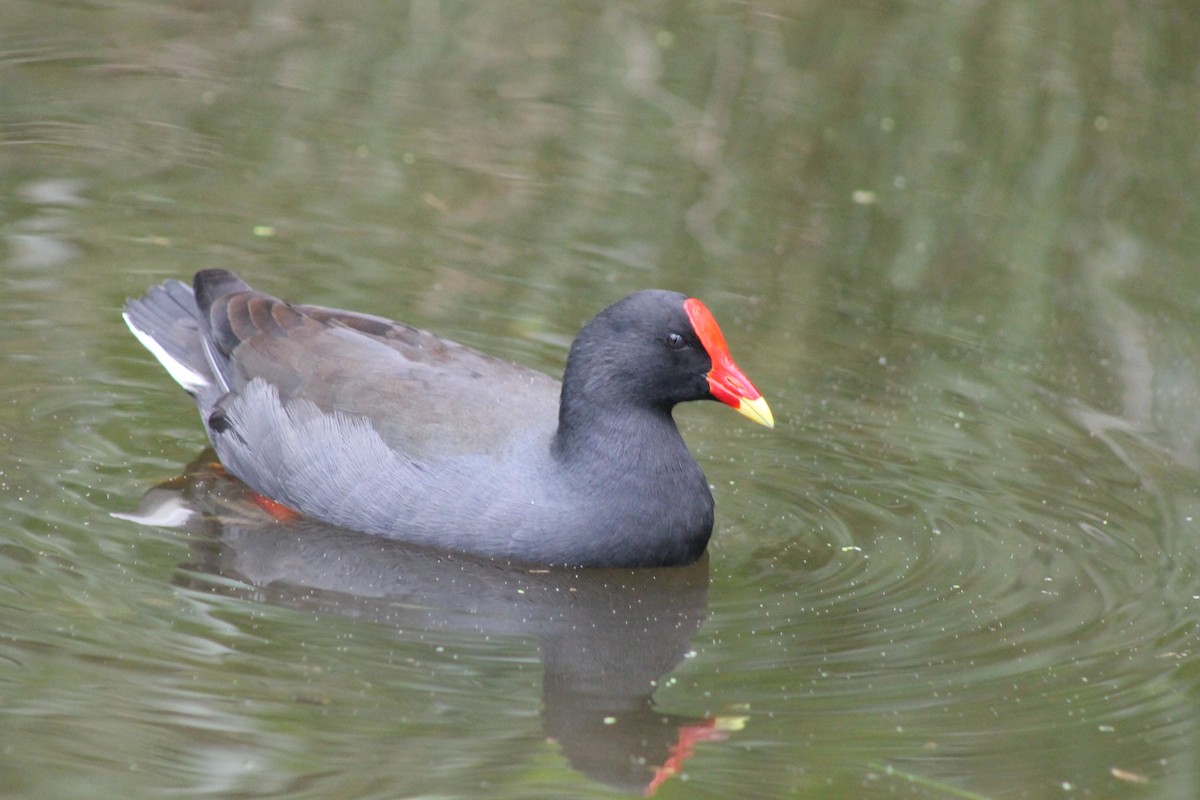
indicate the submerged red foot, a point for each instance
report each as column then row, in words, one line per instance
column 277, row 510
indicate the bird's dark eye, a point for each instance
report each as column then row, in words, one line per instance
column 675, row 341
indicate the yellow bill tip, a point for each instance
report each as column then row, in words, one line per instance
column 757, row 410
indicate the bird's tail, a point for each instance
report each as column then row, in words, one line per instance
column 166, row 321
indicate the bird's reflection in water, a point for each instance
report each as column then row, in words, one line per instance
column 606, row 637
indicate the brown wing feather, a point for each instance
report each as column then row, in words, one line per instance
column 425, row 396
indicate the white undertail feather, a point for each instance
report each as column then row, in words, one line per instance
column 185, row 376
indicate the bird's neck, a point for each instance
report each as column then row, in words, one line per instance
column 617, row 436
column 602, row 421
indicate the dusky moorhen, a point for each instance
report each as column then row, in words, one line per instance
column 380, row 427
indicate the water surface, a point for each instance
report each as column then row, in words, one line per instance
column 955, row 246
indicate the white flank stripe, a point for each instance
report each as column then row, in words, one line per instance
column 185, row 376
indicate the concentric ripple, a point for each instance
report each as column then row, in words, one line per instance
column 956, row 578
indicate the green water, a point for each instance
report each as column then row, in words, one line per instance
column 955, row 244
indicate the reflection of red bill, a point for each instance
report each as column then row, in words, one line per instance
column 710, row 730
